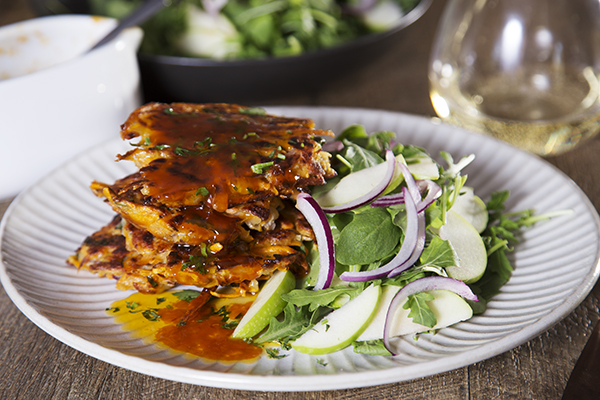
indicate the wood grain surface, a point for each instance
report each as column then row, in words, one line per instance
column 34, row 365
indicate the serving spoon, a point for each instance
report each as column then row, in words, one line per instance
column 136, row 17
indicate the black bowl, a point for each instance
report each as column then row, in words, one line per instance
column 187, row 79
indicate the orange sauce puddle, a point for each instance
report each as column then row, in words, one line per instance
column 167, row 321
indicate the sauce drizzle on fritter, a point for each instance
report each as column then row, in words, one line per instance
column 211, row 204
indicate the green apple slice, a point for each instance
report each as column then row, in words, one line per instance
column 469, row 249
column 448, row 307
column 421, row 166
column 268, row 304
column 358, row 184
column 342, row 326
column 472, row 208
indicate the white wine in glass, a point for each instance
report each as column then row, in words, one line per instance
column 523, row 71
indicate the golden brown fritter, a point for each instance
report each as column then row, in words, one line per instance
column 212, row 202
column 149, row 264
column 222, row 155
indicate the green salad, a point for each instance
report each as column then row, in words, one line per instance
column 403, row 246
column 239, row 29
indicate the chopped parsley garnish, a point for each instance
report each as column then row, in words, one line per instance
column 261, row 167
column 274, row 353
column 151, row 315
column 197, row 263
column 151, row 281
column 223, row 313
column 253, row 111
column 202, row 191
column 186, row 295
column 230, row 324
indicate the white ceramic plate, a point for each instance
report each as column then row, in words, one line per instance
column 557, row 264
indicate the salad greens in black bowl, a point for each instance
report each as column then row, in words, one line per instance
column 253, row 50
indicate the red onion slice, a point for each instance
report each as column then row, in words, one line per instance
column 418, row 286
column 333, row 146
column 373, row 193
column 406, row 250
column 398, row 198
column 433, row 190
column 320, row 226
column 419, row 246
column 411, row 184
column 389, row 200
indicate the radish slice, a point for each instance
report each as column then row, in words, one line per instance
column 406, row 250
column 423, row 285
column 373, row 193
column 320, row 226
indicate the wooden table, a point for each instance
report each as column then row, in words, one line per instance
column 33, row 365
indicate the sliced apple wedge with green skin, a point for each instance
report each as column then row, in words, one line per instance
column 469, row 249
column 341, row 327
column 268, row 304
column 472, row 208
column 358, row 184
column 423, row 167
column 448, row 307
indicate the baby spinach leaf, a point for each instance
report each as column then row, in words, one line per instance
column 371, row 236
column 379, row 141
column 359, row 157
column 439, row 253
column 353, row 133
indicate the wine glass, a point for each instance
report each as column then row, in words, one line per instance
column 522, row 71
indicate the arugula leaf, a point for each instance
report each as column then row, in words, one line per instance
column 496, row 203
column 370, row 237
column 497, row 273
column 501, row 232
column 419, row 310
column 295, row 322
column 318, row 298
column 371, row 347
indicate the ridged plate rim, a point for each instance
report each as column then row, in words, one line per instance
column 521, row 312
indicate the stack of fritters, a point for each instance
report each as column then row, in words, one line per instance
column 212, row 203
